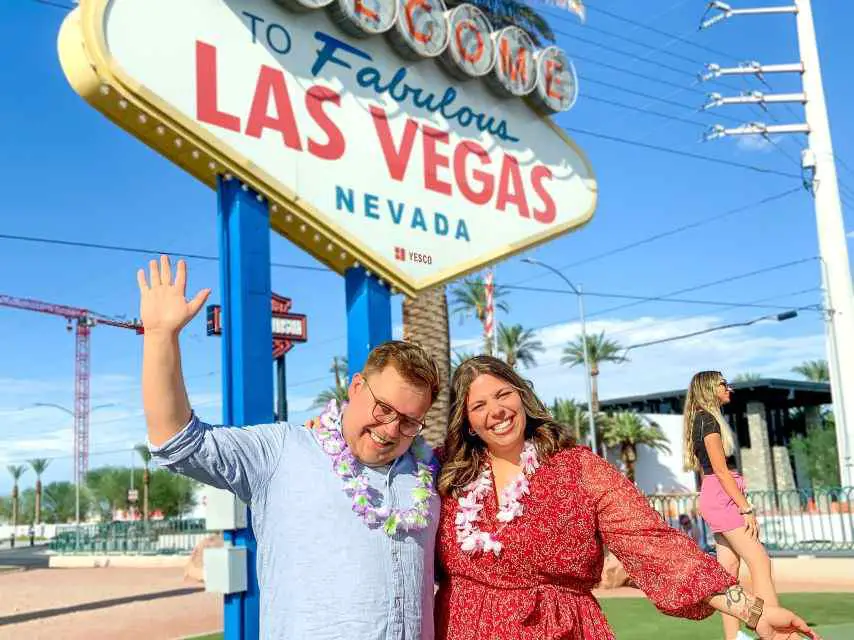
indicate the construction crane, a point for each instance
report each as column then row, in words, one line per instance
column 85, row 320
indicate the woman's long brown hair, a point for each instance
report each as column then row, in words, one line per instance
column 463, row 452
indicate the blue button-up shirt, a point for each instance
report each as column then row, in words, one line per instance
column 323, row 573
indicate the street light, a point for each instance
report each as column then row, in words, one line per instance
column 77, row 480
column 778, row 317
column 577, row 292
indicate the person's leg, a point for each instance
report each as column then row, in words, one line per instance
column 758, row 562
column 730, row 561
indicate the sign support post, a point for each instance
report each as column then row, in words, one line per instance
column 281, row 390
column 247, row 395
column 368, row 316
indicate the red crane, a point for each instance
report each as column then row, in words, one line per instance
column 84, row 320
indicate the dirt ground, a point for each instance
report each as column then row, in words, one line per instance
column 114, row 603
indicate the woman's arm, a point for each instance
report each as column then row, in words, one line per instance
column 769, row 622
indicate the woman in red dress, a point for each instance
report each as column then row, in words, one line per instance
column 526, row 513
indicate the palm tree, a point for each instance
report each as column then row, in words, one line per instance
column 458, row 359
column 39, row 465
column 599, row 350
column 425, row 322
column 627, row 430
column 813, row 370
column 145, row 454
column 17, row 471
column 747, row 376
column 518, row 345
column 339, row 369
column 468, row 300
column 572, row 414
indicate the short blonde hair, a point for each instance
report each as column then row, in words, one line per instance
column 412, row 362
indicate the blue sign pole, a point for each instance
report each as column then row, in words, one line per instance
column 247, row 387
column 368, row 316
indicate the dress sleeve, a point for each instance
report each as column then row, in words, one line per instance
column 665, row 563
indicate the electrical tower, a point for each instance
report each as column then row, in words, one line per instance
column 84, row 320
column 820, row 179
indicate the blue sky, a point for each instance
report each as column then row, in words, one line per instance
column 69, row 174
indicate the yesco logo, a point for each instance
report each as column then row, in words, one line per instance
column 463, row 40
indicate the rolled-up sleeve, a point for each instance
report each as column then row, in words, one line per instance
column 239, row 459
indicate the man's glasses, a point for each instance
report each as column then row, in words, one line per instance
column 386, row 414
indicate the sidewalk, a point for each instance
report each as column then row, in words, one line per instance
column 84, row 604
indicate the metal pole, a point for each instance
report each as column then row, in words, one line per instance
column 282, row 409
column 591, row 418
column 832, row 243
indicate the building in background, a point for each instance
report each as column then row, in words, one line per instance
column 765, row 414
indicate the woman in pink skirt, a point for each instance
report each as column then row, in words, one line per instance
column 709, row 447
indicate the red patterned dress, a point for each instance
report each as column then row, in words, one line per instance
column 539, row 587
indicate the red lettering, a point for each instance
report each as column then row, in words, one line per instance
column 409, row 10
column 396, row 159
column 271, row 84
column 314, row 99
column 553, row 80
column 433, row 160
column 510, row 188
column 484, row 179
column 548, row 213
column 360, row 9
column 206, row 90
column 519, row 67
column 458, row 34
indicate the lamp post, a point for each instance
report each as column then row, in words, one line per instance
column 77, row 482
column 579, row 295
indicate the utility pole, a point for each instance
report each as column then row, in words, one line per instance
column 820, row 179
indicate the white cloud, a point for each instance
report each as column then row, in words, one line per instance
column 755, row 143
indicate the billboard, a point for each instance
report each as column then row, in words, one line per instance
column 398, row 136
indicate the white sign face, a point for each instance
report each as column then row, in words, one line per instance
column 364, row 157
column 288, row 327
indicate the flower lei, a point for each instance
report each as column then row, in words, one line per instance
column 470, row 538
column 347, row 468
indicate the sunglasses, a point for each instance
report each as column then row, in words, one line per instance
column 726, row 384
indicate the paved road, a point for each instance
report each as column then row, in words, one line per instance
column 24, row 556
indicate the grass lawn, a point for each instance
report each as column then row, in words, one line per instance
column 831, row 614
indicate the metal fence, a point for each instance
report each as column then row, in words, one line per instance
column 155, row 537
column 791, row 521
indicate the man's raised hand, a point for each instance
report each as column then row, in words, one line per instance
column 163, row 306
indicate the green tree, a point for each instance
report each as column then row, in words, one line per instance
column 17, row 471
column 145, row 454
column 627, row 430
column 108, row 488
column 818, row 449
column 572, row 414
column 339, row 390
column 172, row 494
column 39, row 465
column 518, row 345
column 747, row 376
column 813, row 370
column 599, row 350
column 59, row 505
column 468, row 300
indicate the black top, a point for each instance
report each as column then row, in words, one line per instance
column 704, row 424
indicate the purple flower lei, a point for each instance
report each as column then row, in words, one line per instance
column 470, row 538
column 349, row 469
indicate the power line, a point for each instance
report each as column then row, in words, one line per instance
column 686, row 154
column 149, row 252
column 658, row 114
column 665, row 299
column 670, row 232
column 706, row 285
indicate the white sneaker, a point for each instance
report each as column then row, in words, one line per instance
column 743, row 636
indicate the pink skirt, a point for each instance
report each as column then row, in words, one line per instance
column 716, row 507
